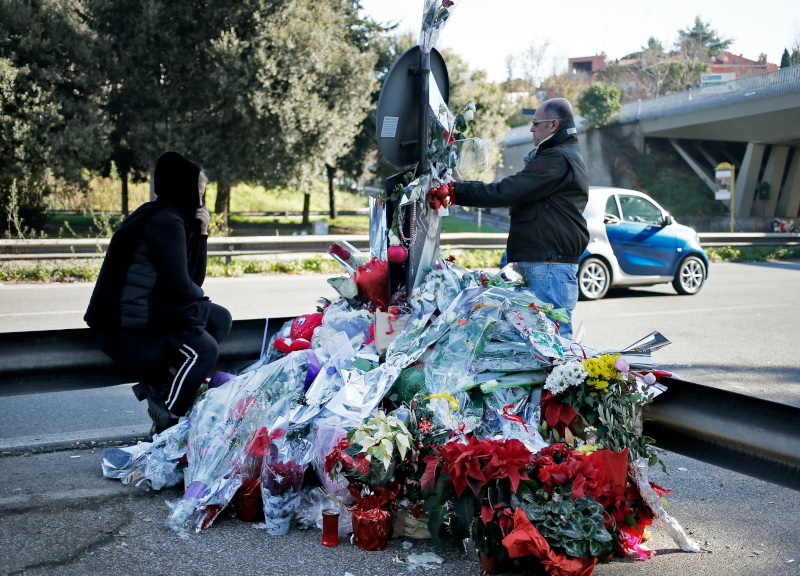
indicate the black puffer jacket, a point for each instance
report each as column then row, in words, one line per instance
column 546, row 200
column 156, row 261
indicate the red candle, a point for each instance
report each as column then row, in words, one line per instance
column 330, row 527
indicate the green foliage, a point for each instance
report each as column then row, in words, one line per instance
column 476, row 259
column 752, row 253
column 74, row 270
column 664, row 176
column 785, row 59
column 50, row 126
column 701, row 41
column 671, row 76
column 491, row 109
column 575, row 526
column 600, row 104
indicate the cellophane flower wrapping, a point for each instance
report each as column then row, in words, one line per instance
column 486, row 358
column 474, row 154
column 333, row 493
column 282, row 472
column 436, row 14
column 222, row 425
column 159, row 463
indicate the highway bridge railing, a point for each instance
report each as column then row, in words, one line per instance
column 742, row 433
column 740, row 90
column 231, row 246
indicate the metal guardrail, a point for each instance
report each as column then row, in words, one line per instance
column 60, row 360
column 739, row 90
column 714, row 239
column 745, row 434
column 265, row 245
column 226, row 246
column 741, row 433
column 268, row 214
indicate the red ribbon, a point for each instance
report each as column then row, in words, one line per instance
column 579, row 346
column 394, row 314
column 459, row 429
column 513, row 417
column 537, row 309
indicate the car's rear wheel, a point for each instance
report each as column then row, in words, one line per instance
column 593, row 279
column 690, row 276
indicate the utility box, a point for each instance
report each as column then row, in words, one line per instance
column 319, row 228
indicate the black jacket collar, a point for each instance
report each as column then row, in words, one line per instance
column 559, row 137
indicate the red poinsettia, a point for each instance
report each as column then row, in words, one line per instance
column 360, row 464
column 557, row 415
column 477, row 462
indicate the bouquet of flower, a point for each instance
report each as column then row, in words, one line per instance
column 435, row 17
column 599, row 401
column 282, row 471
column 493, row 470
column 371, row 451
column 348, row 256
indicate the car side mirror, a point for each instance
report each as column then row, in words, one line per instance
column 668, row 220
column 610, row 220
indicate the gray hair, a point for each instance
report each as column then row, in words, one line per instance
column 559, row 109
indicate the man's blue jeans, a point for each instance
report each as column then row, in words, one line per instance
column 556, row 284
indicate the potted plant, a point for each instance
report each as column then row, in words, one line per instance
column 470, row 486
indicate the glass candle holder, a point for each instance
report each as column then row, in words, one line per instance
column 330, row 527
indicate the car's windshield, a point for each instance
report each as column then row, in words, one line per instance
column 640, row 210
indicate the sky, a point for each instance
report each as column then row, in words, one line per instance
column 484, row 32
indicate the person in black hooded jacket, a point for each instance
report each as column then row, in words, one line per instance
column 148, row 307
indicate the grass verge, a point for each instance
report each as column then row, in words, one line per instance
column 78, row 270
column 752, row 253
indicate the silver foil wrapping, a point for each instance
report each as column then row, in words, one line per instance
column 638, row 472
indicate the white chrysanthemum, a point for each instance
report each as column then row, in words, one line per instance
column 565, row 376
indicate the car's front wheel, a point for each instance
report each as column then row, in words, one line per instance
column 593, row 279
column 690, row 276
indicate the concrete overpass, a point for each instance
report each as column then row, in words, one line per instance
column 752, row 122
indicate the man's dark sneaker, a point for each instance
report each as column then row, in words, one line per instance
column 156, row 406
column 140, row 391
column 156, row 429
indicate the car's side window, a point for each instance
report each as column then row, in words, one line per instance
column 640, row 210
column 611, row 207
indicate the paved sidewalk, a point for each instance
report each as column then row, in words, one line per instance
column 58, row 515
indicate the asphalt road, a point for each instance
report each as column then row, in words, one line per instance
column 740, row 332
column 59, row 516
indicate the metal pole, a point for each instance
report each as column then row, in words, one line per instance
column 424, row 97
column 733, row 192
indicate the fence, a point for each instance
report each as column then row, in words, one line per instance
column 738, row 432
column 739, row 90
column 265, row 245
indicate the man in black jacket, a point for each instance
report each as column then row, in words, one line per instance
column 546, row 200
column 148, row 307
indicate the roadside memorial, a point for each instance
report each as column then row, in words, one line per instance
column 429, row 400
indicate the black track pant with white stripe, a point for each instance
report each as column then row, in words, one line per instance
column 196, row 359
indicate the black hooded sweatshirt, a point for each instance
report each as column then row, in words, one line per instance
column 156, row 261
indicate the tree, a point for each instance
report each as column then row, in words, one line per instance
column 785, row 59
column 701, row 41
column 50, row 123
column 134, row 46
column 600, row 104
column 491, row 108
column 671, row 76
column 531, row 65
column 369, row 37
column 569, row 86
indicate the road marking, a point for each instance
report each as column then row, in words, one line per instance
column 696, row 310
column 43, row 313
